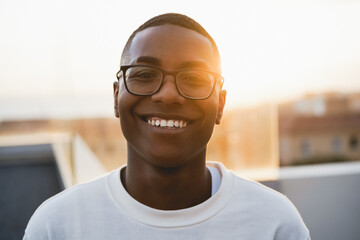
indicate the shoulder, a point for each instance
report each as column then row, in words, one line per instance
column 268, row 201
column 76, row 193
column 62, row 206
column 267, row 205
column 266, row 208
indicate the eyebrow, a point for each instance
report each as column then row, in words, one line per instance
column 194, row 64
column 148, row 59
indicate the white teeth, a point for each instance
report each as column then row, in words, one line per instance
column 170, row 123
column 167, row 123
column 163, row 123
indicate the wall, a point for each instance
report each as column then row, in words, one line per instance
column 327, row 196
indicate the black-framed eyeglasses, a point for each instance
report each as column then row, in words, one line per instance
column 144, row 80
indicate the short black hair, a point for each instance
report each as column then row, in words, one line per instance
column 173, row 19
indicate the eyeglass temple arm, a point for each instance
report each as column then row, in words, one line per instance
column 118, row 75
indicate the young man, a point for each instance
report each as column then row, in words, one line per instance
column 168, row 98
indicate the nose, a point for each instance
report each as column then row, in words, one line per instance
column 168, row 92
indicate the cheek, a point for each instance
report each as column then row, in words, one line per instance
column 126, row 100
column 126, row 103
column 210, row 109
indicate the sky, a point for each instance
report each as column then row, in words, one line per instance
column 54, row 53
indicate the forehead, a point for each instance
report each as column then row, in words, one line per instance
column 172, row 47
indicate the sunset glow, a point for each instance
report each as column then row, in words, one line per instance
column 270, row 51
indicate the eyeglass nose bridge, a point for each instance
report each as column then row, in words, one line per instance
column 173, row 74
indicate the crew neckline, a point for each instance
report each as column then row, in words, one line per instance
column 171, row 218
column 215, row 179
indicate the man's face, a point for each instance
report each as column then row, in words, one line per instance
column 171, row 48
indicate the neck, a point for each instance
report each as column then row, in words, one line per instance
column 168, row 188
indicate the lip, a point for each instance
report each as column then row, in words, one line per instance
column 165, row 116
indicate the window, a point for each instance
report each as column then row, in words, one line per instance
column 305, row 148
column 336, row 144
column 353, row 143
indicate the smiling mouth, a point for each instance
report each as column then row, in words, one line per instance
column 166, row 123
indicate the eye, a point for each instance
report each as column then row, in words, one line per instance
column 146, row 74
column 143, row 74
column 196, row 79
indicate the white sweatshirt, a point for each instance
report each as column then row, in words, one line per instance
column 102, row 209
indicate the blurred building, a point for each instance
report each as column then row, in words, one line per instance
column 320, row 128
column 246, row 138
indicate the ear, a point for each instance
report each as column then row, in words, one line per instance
column 222, row 99
column 116, row 103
